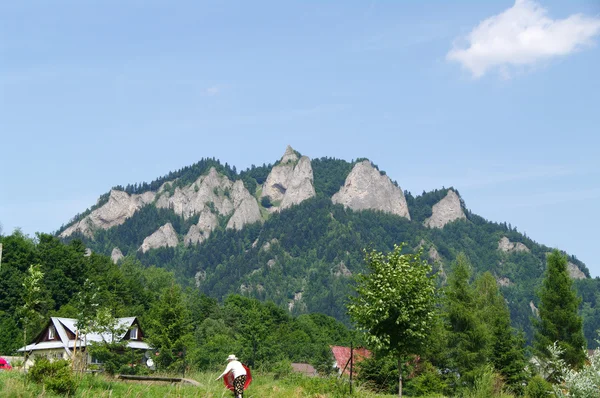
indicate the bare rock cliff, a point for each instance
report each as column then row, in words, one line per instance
column 198, row 233
column 120, row 207
column 116, row 255
column 245, row 205
column 574, row 271
column 290, row 182
column 165, row 236
column 365, row 188
column 446, row 210
column 505, row 245
column 194, row 198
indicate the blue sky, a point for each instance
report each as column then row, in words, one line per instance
column 498, row 99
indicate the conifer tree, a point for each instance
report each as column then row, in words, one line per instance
column 467, row 335
column 558, row 318
column 507, row 346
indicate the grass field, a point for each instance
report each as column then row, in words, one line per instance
column 12, row 384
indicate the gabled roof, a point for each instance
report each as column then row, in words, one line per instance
column 64, row 325
column 342, row 356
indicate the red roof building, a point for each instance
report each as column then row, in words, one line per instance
column 342, row 357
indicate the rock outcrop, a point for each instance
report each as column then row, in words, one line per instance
column 245, row 205
column 446, row 210
column 120, row 207
column 212, row 193
column 574, row 271
column 367, row 189
column 290, row 182
column 116, row 255
column 503, row 281
column 165, row 236
column 212, row 189
column 198, row 233
column 506, row 246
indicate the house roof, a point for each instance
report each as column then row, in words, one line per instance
column 64, row 325
column 342, row 356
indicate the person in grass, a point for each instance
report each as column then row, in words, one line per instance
column 239, row 375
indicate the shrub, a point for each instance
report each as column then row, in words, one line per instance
column 538, row 387
column 266, row 202
column 487, row 384
column 428, row 381
column 55, row 376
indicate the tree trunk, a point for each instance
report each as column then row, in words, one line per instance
column 399, row 378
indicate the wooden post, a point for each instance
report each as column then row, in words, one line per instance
column 351, row 363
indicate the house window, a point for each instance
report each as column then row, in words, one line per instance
column 51, row 333
column 134, row 333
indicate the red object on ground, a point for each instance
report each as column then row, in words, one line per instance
column 228, row 379
column 342, row 356
column 4, row 365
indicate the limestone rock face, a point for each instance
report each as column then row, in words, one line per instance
column 505, row 245
column 165, row 236
column 116, row 255
column 574, row 271
column 194, row 198
column 200, row 232
column 120, row 207
column 245, row 205
column 290, row 182
column 446, row 210
column 503, row 281
column 365, row 188
column 212, row 193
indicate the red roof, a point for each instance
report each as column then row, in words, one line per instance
column 342, row 356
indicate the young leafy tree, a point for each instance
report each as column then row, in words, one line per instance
column 395, row 303
column 32, row 297
column 558, row 319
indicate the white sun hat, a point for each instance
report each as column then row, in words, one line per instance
column 232, row 358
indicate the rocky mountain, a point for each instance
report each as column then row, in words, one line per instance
column 366, row 188
column 294, row 233
column 290, row 182
column 446, row 210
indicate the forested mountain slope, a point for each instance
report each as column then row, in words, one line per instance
column 294, row 233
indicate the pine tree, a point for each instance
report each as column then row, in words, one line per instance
column 558, row 318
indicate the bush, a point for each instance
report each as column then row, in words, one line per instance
column 55, row 376
column 538, row 387
column 428, row 381
column 266, row 202
column 281, row 369
column 379, row 373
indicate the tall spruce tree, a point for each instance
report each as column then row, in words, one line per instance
column 558, row 318
column 507, row 346
column 468, row 338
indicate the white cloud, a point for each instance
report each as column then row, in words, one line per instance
column 523, row 35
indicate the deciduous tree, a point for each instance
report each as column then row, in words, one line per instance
column 395, row 303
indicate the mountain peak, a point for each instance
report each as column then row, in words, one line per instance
column 289, row 155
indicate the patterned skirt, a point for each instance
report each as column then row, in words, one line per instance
column 238, row 384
